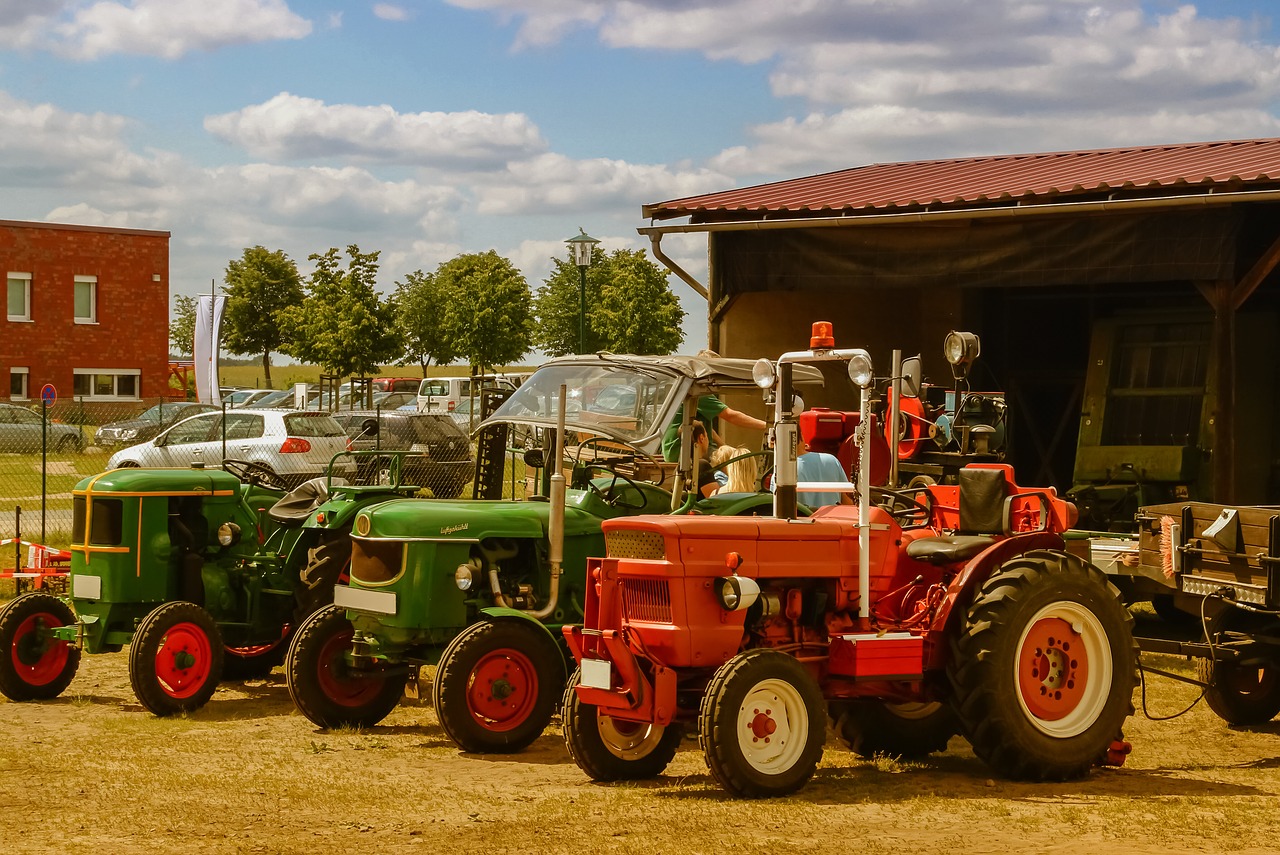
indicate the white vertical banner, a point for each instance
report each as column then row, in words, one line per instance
column 208, row 323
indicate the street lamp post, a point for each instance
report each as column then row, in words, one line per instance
column 581, row 246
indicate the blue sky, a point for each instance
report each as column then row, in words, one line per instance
column 426, row 128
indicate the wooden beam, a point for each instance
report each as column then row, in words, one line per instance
column 1260, row 270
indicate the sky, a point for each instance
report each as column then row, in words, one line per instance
column 428, row 128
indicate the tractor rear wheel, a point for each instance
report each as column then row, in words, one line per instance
column 762, row 724
column 35, row 666
column 908, row 730
column 611, row 749
column 1044, row 670
column 175, row 659
column 323, row 685
column 497, row 686
column 1241, row 694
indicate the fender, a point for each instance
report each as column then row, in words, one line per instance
column 497, row 613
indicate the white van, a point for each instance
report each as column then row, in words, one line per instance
column 443, row 394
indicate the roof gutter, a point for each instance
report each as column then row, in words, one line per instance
column 1206, row 200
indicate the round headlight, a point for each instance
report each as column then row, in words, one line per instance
column 762, row 373
column 736, row 592
column 462, row 577
column 362, row 524
column 860, row 369
column 228, row 534
column 961, row 347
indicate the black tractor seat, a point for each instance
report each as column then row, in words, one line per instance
column 292, row 509
column 948, row 549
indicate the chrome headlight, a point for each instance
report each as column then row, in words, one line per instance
column 736, row 592
column 228, row 534
column 860, row 369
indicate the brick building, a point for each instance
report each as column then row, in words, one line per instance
column 87, row 310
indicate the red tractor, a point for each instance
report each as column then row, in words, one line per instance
column 907, row 617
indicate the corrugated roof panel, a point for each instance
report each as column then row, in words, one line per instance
column 972, row 180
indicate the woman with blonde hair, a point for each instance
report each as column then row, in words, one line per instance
column 743, row 477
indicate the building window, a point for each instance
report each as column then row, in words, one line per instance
column 86, row 309
column 19, row 297
column 18, row 383
column 105, row 383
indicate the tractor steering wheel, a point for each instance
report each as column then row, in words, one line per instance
column 610, row 495
column 906, row 510
column 255, row 473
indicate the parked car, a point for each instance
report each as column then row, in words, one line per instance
column 443, row 394
column 294, row 445
column 442, row 460
column 148, row 424
column 278, row 398
column 245, row 397
column 21, row 432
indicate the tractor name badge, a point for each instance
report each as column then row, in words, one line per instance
column 454, row 529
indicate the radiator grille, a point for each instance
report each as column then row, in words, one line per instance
column 627, row 543
column 376, row 562
column 646, row 600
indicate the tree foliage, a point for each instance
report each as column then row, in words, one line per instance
column 261, row 286
column 629, row 306
column 342, row 324
column 488, row 309
column 182, row 329
column 420, row 303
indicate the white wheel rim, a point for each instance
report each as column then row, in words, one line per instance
column 1062, row 670
column 773, row 726
column 914, row 710
column 628, row 740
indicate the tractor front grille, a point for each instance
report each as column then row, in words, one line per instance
column 646, row 600
column 629, row 543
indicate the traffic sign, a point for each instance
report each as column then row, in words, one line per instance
column 49, row 395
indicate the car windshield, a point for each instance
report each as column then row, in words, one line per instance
column 621, row 400
column 166, row 411
column 312, row 424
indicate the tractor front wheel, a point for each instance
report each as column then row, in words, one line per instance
column 906, row 730
column 611, row 749
column 497, row 685
column 1241, row 694
column 323, row 685
column 35, row 666
column 1044, row 670
column 175, row 659
column 762, row 724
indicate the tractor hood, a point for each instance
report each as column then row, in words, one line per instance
column 629, row 399
column 414, row 519
column 169, row 482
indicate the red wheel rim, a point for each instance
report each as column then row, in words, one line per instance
column 38, row 660
column 1053, row 669
column 184, row 660
column 503, row 689
column 335, row 679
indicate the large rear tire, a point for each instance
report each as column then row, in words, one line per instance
column 762, row 724
column 906, row 730
column 324, row 687
column 1044, row 670
column 35, row 666
column 611, row 749
column 497, row 686
column 175, row 659
column 1241, row 694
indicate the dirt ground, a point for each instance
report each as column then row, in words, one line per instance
column 93, row 771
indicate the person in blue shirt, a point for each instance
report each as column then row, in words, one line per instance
column 818, row 466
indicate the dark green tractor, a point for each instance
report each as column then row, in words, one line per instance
column 204, row 573
column 480, row 588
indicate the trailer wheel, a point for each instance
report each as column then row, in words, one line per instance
column 910, row 730
column 323, row 685
column 1241, row 694
column 497, row 685
column 175, row 659
column 611, row 749
column 1044, row 670
column 35, row 666
column 762, row 724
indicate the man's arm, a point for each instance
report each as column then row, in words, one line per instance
column 741, row 419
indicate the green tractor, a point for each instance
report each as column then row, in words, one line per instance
column 481, row 588
column 202, row 572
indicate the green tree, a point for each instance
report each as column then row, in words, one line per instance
column 182, row 329
column 629, row 306
column 260, row 287
column 420, row 310
column 488, row 315
column 343, row 325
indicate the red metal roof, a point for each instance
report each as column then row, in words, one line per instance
column 1190, row 168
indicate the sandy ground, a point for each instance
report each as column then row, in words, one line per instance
column 93, row 771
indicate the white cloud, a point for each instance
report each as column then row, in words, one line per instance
column 290, row 127
column 390, row 12
column 164, row 28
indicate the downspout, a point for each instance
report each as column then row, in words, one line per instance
column 655, row 243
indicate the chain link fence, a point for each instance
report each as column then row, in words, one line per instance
column 46, row 451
